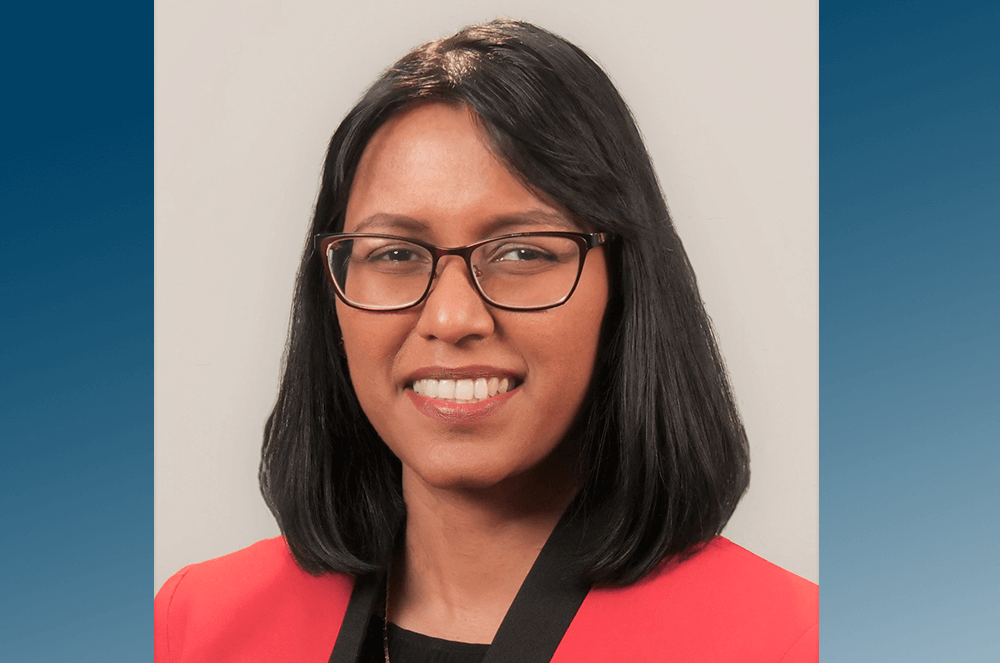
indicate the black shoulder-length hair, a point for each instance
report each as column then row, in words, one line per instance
column 664, row 454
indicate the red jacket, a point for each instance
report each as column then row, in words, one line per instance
column 722, row 604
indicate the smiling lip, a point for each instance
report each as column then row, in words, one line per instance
column 459, row 413
column 450, row 411
column 459, row 373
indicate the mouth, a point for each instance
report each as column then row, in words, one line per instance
column 464, row 390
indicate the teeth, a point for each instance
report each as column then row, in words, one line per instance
column 431, row 388
column 446, row 389
column 462, row 391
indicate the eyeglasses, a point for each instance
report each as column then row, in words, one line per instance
column 519, row 272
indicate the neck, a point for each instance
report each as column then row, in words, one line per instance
column 468, row 551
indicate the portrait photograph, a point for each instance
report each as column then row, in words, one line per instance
column 718, row 148
column 496, row 331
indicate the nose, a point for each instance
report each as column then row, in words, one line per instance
column 453, row 311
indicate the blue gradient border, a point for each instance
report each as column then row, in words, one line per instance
column 909, row 324
column 76, row 276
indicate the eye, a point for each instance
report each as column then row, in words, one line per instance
column 393, row 255
column 520, row 253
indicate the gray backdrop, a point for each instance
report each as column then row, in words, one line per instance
column 247, row 96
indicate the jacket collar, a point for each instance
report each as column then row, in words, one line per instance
column 535, row 623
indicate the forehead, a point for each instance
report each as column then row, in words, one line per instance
column 431, row 169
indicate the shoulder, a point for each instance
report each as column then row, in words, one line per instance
column 248, row 606
column 723, row 603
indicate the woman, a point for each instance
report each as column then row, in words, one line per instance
column 504, row 431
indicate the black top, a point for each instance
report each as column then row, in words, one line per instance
column 532, row 629
column 409, row 647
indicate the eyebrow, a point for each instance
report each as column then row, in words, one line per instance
column 383, row 222
column 528, row 220
column 502, row 224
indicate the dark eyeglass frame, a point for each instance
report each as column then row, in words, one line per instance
column 585, row 241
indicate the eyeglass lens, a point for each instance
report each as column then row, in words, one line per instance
column 518, row 272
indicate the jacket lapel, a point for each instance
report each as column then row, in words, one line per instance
column 545, row 605
column 535, row 623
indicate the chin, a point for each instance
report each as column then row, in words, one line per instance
column 452, row 470
column 461, row 476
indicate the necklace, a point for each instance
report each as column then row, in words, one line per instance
column 385, row 615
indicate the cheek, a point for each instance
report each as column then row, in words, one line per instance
column 351, row 329
column 591, row 302
column 572, row 331
column 371, row 343
column 593, row 306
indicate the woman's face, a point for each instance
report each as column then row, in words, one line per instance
column 427, row 174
